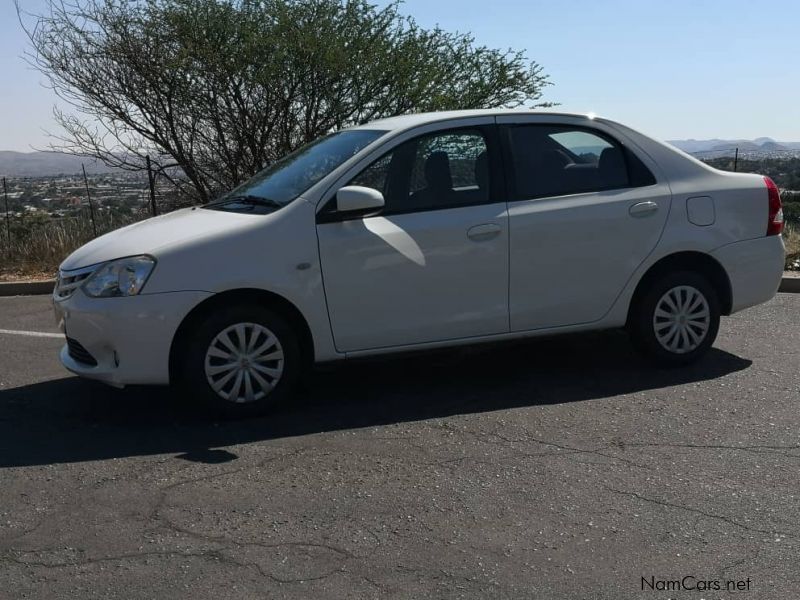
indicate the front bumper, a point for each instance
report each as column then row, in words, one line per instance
column 755, row 269
column 130, row 338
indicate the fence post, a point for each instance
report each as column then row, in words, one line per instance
column 89, row 197
column 8, row 218
column 151, row 178
column 736, row 159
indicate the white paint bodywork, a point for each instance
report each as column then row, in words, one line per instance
column 442, row 277
column 415, row 278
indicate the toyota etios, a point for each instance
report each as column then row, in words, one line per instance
column 423, row 231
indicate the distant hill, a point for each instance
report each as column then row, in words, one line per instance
column 773, row 146
column 763, row 144
column 46, row 164
column 743, row 145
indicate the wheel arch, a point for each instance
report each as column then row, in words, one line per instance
column 260, row 297
column 697, row 262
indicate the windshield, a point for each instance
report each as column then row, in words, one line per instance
column 286, row 179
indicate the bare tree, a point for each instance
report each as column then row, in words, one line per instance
column 215, row 90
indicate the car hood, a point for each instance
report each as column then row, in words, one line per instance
column 158, row 233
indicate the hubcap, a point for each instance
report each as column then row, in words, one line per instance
column 244, row 362
column 681, row 319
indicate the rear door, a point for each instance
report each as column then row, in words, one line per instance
column 584, row 212
column 433, row 264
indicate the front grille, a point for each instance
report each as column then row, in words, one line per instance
column 80, row 354
column 69, row 281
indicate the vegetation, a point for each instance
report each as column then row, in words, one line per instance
column 215, row 90
column 791, row 237
column 39, row 243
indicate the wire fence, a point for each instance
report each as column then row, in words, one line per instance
column 35, row 240
column 39, row 245
column 746, row 153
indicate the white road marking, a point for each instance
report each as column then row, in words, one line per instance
column 32, row 333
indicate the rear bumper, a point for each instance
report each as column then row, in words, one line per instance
column 129, row 338
column 754, row 267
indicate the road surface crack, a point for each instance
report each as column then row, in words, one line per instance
column 698, row 511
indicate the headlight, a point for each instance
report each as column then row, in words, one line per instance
column 122, row 277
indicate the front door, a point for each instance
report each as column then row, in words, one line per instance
column 433, row 264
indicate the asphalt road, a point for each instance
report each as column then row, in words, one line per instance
column 555, row 469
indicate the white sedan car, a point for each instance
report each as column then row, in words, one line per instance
column 417, row 232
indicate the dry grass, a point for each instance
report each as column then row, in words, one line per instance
column 39, row 246
column 20, row 274
column 791, row 237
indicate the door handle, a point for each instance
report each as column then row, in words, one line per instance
column 480, row 233
column 643, row 209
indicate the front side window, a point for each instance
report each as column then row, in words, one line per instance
column 286, row 179
column 554, row 160
column 436, row 171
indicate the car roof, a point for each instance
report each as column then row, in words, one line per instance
column 417, row 119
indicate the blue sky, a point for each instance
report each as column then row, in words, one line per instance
column 678, row 69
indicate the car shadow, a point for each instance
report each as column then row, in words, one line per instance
column 72, row 420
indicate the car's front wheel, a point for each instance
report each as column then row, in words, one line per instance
column 676, row 319
column 241, row 361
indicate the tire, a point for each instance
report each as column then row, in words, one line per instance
column 239, row 378
column 664, row 329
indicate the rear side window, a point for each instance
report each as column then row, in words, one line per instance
column 555, row 160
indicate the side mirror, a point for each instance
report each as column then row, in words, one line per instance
column 355, row 197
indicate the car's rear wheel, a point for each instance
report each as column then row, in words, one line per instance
column 242, row 361
column 676, row 319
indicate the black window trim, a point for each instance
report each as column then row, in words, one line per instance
column 498, row 184
column 513, row 194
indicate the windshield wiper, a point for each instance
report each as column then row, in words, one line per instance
column 247, row 199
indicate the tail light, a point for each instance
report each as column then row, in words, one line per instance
column 775, row 223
